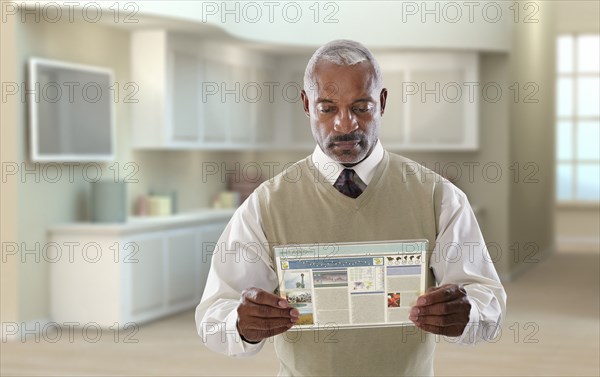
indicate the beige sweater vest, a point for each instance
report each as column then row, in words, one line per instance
column 299, row 206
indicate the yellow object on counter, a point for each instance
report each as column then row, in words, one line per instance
column 159, row 205
column 227, row 199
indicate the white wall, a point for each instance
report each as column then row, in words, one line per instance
column 391, row 24
column 9, row 150
column 532, row 140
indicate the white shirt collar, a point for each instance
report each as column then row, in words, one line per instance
column 331, row 169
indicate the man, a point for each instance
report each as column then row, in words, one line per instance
column 372, row 195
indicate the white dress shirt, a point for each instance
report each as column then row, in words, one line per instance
column 235, row 267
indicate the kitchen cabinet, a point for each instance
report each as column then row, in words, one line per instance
column 300, row 133
column 133, row 272
column 433, row 101
column 181, row 255
column 207, row 246
column 393, row 129
column 194, row 96
column 146, row 276
column 198, row 95
column 166, row 71
column 216, row 114
column 264, row 109
column 186, row 98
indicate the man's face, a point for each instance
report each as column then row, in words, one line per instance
column 345, row 110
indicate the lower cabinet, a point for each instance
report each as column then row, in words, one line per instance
column 144, row 273
column 130, row 277
column 181, row 259
column 208, row 236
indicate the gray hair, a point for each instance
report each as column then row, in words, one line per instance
column 342, row 52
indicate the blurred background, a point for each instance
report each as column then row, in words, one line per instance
column 130, row 132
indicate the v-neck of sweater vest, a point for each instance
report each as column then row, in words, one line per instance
column 324, row 186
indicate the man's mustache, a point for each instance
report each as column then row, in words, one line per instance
column 347, row 137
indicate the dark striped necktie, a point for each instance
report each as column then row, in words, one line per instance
column 349, row 183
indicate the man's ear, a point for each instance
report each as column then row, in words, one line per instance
column 304, row 98
column 383, row 99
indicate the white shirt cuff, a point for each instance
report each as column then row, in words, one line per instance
column 237, row 346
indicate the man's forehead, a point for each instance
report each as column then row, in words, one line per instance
column 331, row 80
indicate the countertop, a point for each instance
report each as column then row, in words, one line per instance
column 136, row 224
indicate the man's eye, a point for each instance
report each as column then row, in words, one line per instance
column 362, row 109
column 326, row 109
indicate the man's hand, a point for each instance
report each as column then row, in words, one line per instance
column 442, row 310
column 262, row 314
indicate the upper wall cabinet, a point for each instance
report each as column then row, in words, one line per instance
column 293, row 126
column 432, row 101
column 169, row 77
column 196, row 94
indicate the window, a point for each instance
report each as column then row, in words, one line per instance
column 578, row 118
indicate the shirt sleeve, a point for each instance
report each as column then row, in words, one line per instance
column 240, row 260
column 461, row 257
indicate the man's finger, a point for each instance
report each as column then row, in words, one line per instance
column 456, row 319
column 262, row 297
column 265, row 311
column 254, row 323
column 442, row 294
column 442, row 308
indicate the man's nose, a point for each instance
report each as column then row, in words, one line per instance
column 345, row 122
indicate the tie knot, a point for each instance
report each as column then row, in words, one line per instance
column 346, row 183
column 347, row 174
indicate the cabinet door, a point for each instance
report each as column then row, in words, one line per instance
column 207, row 246
column 430, row 103
column 392, row 127
column 300, row 133
column 437, row 118
column 264, row 109
column 186, row 97
column 147, row 277
column 215, row 101
column 240, row 103
column 181, row 247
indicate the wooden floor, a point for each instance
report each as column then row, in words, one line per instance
column 552, row 329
